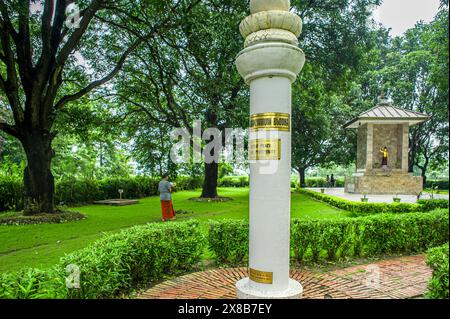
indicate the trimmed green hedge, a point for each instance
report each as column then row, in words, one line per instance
column 11, row 194
column 228, row 240
column 440, row 183
column 13, row 218
column 360, row 208
column 437, row 259
column 233, row 181
column 113, row 265
column 321, row 181
column 333, row 239
column 75, row 192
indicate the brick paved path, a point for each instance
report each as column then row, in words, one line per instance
column 402, row 277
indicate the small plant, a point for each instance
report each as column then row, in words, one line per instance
column 397, row 199
column 322, row 190
column 364, row 199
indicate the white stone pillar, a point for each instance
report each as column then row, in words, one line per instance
column 270, row 63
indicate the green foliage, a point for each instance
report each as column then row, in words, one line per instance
column 188, row 182
column 33, row 284
column 225, row 169
column 11, row 194
column 113, row 265
column 332, row 239
column 431, row 204
column 228, row 239
column 321, row 182
column 73, row 191
column 361, row 208
column 233, row 181
column 20, row 219
column 440, row 184
column 437, row 259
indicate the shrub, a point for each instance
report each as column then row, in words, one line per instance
column 75, row 192
column 187, row 183
column 228, row 240
column 320, row 182
column 441, row 184
column 432, row 204
column 437, row 259
column 20, row 219
column 342, row 238
column 33, row 284
column 360, row 208
column 368, row 236
column 233, row 181
column 11, row 194
column 115, row 264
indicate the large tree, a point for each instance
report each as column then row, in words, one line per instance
column 336, row 38
column 416, row 76
column 41, row 73
column 193, row 77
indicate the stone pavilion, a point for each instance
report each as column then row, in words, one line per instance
column 384, row 126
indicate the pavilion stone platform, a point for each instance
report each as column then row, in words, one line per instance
column 384, row 125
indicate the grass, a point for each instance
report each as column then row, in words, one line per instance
column 43, row 245
column 439, row 191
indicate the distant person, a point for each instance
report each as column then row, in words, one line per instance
column 384, row 161
column 332, row 180
column 165, row 189
column 327, row 181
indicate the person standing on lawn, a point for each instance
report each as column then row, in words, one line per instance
column 332, row 181
column 165, row 189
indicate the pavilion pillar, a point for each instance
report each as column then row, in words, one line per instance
column 270, row 63
column 369, row 155
column 405, row 147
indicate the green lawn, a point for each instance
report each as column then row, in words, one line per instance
column 43, row 245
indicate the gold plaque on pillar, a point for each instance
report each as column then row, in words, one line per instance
column 262, row 277
column 270, row 121
column 265, row 149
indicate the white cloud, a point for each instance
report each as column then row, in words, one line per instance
column 400, row 15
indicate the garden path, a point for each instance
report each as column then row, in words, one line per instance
column 394, row 278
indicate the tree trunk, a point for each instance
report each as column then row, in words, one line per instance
column 424, row 179
column 210, row 182
column 301, row 172
column 38, row 179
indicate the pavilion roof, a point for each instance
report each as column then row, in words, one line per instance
column 388, row 114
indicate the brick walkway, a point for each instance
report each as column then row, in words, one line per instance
column 402, row 277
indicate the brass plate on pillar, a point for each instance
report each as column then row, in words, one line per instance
column 265, row 149
column 262, row 277
column 270, row 121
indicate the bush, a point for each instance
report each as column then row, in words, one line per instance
column 228, row 239
column 320, row 182
column 11, row 194
column 437, row 259
column 441, row 184
column 342, row 238
column 115, row 264
column 233, row 181
column 33, row 284
column 432, row 204
column 75, row 192
column 59, row 217
column 187, row 183
column 360, row 208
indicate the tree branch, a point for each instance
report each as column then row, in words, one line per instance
column 9, row 129
column 68, row 98
column 74, row 39
column 10, row 85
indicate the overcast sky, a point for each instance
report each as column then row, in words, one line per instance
column 400, row 15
